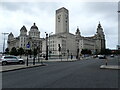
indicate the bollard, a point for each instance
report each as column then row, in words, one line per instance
column 106, row 61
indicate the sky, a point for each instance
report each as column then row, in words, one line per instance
column 85, row 15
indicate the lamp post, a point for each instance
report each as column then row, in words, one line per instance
column 77, row 54
column 118, row 26
column 49, row 44
column 34, row 52
column 38, row 49
column 68, row 54
column 4, row 41
column 46, row 58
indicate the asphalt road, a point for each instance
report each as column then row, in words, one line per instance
column 78, row 74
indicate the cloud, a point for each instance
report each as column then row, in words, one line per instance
column 86, row 15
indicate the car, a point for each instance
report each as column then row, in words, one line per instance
column 112, row 55
column 95, row 56
column 4, row 60
column 101, row 56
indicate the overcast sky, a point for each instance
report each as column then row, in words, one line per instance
column 86, row 15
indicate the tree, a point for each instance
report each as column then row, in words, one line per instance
column 7, row 51
column 86, row 51
column 30, row 52
column 105, row 51
column 14, row 51
column 35, row 52
column 21, row 51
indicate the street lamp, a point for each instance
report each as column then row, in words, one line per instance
column 4, row 41
column 68, row 54
column 77, row 54
column 34, row 52
column 118, row 25
column 46, row 58
column 49, row 43
column 38, row 50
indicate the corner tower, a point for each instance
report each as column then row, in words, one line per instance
column 100, row 39
column 62, row 21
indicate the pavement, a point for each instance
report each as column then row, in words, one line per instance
column 7, row 68
column 18, row 67
column 114, row 67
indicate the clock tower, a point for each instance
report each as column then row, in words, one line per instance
column 62, row 21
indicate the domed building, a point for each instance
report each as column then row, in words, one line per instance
column 33, row 38
column 62, row 42
column 34, row 32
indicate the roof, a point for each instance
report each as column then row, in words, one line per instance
column 34, row 27
column 23, row 28
column 10, row 34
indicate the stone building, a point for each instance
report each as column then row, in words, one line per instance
column 72, row 42
column 69, row 43
column 33, row 38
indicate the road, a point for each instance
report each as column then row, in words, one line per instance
column 78, row 74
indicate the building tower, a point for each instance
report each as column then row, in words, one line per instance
column 62, row 20
column 77, row 33
column 23, row 31
column 34, row 31
column 23, row 37
column 10, row 36
column 100, row 40
column 10, row 40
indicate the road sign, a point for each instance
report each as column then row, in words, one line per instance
column 28, row 45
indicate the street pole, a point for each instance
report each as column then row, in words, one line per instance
column 78, row 54
column 34, row 58
column 38, row 53
column 4, row 41
column 28, row 46
column 49, row 44
column 68, row 54
column 27, row 59
column 46, row 58
column 34, row 52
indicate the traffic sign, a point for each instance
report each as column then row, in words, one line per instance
column 28, row 45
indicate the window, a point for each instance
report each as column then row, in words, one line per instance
column 59, row 18
column 10, row 57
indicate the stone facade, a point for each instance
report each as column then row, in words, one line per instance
column 62, row 20
column 72, row 42
column 33, row 38
column 67, row 41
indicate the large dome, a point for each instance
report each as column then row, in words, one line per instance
column 34, row 32
column 34, row 27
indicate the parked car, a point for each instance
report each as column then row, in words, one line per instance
column 101, row 56
column 10, row 59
